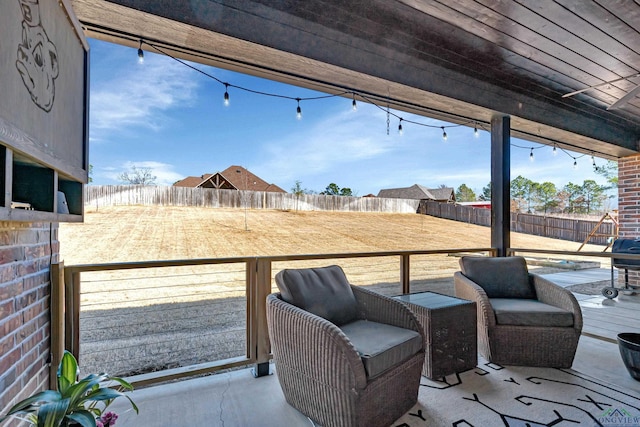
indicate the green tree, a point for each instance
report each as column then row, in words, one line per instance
column 334, row 190
column 570, row 196
column 331, row 190
column 546, row 194
column 523, row 192
column 90, row 173
column 465, row 194
column 486, row 193
column 594, row 195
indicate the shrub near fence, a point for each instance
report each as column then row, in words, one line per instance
column 576, row 230
column 113, row 195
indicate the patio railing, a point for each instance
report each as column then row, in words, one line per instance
column 159, row 320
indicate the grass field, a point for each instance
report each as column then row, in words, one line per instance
column 144, row 320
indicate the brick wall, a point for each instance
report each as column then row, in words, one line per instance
column 629, row 206
column 26, row 251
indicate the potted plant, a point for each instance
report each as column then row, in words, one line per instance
column 75, row 403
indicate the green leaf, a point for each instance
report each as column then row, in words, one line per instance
column 133, row 404
column 108, row 394
column 78, row 391
column 26, row 405
column 67, row 372
column 84, row 418
column 103, row 394
column 126, row 385
column 52, row 414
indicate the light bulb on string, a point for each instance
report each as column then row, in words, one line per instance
column 531, row 155
column 555, row 151
column 593, row 160
column 140, row 53
column 354, row 105
column 475, row 130
column 400, row 131
column 575, row 163
column 298, row 110
column 444, row 134
column 226, row 94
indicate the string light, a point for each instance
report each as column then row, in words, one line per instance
column 140, row 53
column 555, row 149
column 226, row 94
column 354, row 105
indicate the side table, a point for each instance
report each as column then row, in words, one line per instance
column 450, row 331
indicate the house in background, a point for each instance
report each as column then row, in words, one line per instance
column 232, row 178
column 481, row 204
column 420, row 192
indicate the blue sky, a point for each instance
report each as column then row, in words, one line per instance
column 171, row 119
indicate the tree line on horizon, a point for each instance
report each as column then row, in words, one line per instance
column 527, row 195
column 544, row 197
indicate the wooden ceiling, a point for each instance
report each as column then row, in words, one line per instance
column 456, row 60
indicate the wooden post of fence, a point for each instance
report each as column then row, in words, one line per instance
column 72, row 312
column 57, row 321
column 262, row 289
column 405, row 274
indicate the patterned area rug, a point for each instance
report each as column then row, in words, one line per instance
column 492, row 395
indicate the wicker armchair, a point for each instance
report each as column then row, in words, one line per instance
column 322, row 367
column 523, row 319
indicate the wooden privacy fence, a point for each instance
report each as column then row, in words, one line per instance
column 575, row 230
column 113, row 195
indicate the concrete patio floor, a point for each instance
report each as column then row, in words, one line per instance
column 237, row 399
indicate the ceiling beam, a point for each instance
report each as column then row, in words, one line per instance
column 256, row 39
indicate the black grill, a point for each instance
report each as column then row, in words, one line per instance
column 626, row 246
column 623, row 246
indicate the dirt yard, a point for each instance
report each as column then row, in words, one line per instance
column 138, row 233
column 144, row 320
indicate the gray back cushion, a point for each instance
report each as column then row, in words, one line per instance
column 500, row 277
column 322, row 291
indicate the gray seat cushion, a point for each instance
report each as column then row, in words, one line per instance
column 381, row 346
column 500, row 277
column 322, row 291
column 523, row 312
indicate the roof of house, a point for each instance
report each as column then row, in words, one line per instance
column 232, row 178
column 419, row 192
column 443, row 193
column 192, row 181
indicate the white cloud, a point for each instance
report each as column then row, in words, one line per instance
column 140, row 96
column 333, row 143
